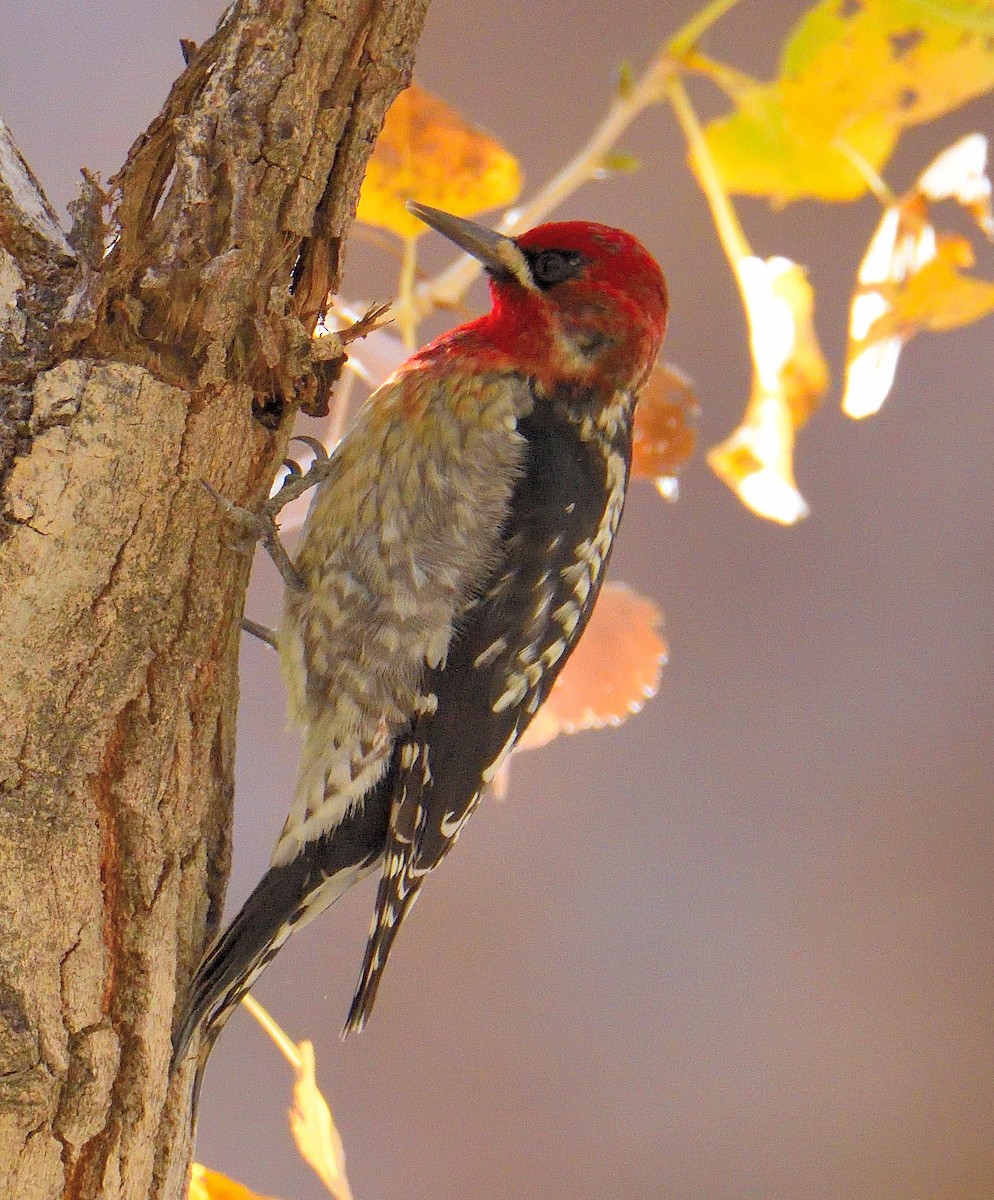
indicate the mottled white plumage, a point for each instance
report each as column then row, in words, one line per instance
column 393, row 547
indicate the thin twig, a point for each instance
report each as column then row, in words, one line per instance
column 283, row 1042
column 686, row 39
column 733, row 238
column 733, row 82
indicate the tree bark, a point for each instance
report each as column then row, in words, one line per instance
column 126, row 379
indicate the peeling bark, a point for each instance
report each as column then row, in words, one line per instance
column 126, row 380
column 35, row 276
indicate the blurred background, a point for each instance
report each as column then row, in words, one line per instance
column 741, row 947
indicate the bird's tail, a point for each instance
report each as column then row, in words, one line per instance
column 377, row 951
column 243, row 951
column 287, row 897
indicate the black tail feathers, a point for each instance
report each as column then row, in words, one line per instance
column 286, row 897
column 242, row 952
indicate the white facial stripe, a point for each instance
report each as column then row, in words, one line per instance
column 515, row 262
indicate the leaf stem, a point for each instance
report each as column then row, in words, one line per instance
column 406, row 307
column 733, row 82
column 871, row 177
column 283, row 1042
column 733, row 238
column 688, row 37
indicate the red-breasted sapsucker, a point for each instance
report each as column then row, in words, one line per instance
column 449, row 564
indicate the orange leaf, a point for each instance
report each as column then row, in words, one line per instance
column 206, row 1184
column 427, row 152
column 910, row 278
column 663, row 439
column 614, row 669
column 939, row 296
column 789, row 378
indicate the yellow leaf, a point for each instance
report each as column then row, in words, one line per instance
column 758, row 152
column 907, row 61
column 427, row 152
column 790, row 377
column 314, row 1130
column 853, row 75
column 206, row 1184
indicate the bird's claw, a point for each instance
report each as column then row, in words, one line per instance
column 298, row 481
column 315, row 445
column 262, row 632
column 255, row 528
column 258, row 527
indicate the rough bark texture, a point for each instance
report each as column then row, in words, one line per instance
column 125, row 381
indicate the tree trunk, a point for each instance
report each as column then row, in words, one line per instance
column 127, row 379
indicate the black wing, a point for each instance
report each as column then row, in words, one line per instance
column 512, row 644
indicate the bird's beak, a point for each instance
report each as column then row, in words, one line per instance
column 498, row 253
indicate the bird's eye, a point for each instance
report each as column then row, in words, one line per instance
column 554, row 266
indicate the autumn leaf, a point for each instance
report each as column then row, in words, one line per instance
column 912, row 277
column 910, row 60
column 206, row 1184
column 790, row 377
column 852, row 77
column 314, row 1130
column 663, row 438
column 613, row 670
column 960, row 173
column 427, row 152
column 759, row 153
column 939, row 296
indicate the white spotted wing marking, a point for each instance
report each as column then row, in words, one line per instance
column 514, row 693
column 489, row 656
column 328, row 791
column 451, row 824
column 490, row 772
column 552, row 613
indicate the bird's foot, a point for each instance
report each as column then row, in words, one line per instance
column 298, row 481
column 258, row 527
column 262, row 632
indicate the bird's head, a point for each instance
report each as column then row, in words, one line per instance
column 572, row 300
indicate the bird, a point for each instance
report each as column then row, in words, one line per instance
column 450, row 559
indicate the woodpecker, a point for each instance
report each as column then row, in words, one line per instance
column 449, row 563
